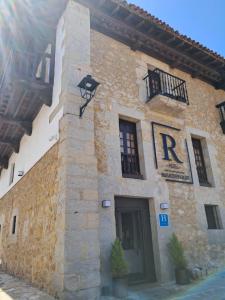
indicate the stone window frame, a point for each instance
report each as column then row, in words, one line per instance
column 209, row 158
column 144, row 139
column 13, row 236
column 215, row 236
column 198, row 144
column 217, row 217
column 2, row 218
column 139, row 144
column 129, row 146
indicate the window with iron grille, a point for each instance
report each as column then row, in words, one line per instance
column 212, row 217
column 200, row 162
column 129, row 150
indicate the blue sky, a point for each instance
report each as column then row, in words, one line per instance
column 202, row 20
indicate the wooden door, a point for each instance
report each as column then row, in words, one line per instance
column 134, row 231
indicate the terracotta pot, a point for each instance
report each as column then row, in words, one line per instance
column 120, row 287
column 182, row 276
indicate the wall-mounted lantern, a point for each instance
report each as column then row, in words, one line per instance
column 221, row 108
column 88, row 87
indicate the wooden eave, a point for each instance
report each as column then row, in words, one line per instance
column 138, row 29
column 116, row 18
column 21, row 100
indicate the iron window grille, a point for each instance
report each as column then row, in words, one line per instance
column 129, row 150
column 212, row 217
column 221, row 108
column 200, row 162
column 159, row 82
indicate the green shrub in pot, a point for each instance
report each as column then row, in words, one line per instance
column 119, row 270
column 176, row 251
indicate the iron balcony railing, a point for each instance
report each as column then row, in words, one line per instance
column 159, row 82
column 25, row 66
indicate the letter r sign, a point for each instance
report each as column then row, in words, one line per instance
column 169, row 145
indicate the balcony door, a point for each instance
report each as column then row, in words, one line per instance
column 134, row 231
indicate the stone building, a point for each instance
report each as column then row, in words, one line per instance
column 146, row 158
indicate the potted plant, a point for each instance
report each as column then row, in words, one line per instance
column 178, row 258
column 119, row 270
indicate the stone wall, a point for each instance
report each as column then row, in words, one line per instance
column 30, row 252
column 63, row 236
column 122, row 93
column 78, row 251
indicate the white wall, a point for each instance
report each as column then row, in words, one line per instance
column 45, row 127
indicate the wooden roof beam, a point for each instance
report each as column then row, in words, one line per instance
column 152, row 46
column 101, row 2
column 115, row 10
column 220, row 85
column 26, row 126
column 4, row 162
column 127, row 19
column 180, row 45
column 12, row 143
column 160, row 35
column 150, row 30
column 140, row 24
column 175, row 64
column 171, row 39
column 210, row 63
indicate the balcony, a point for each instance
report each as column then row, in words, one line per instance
column 33, row 71
column 25, row 85
column 166, row 93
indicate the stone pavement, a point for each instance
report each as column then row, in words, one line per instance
column 212, row 288
column 12, row 288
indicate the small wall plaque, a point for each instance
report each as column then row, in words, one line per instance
column 106, row 203
column 164, row 205
column 163, row 220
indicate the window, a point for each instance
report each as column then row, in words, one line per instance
column 129, row 150
column 12, row 171
column 14, row 225
column 200, row 162
column 221, row 108
column 212, row 217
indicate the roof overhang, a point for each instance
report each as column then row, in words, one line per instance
column 141, row 31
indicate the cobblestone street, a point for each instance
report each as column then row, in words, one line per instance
column 14, row 289
column 212, row 288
